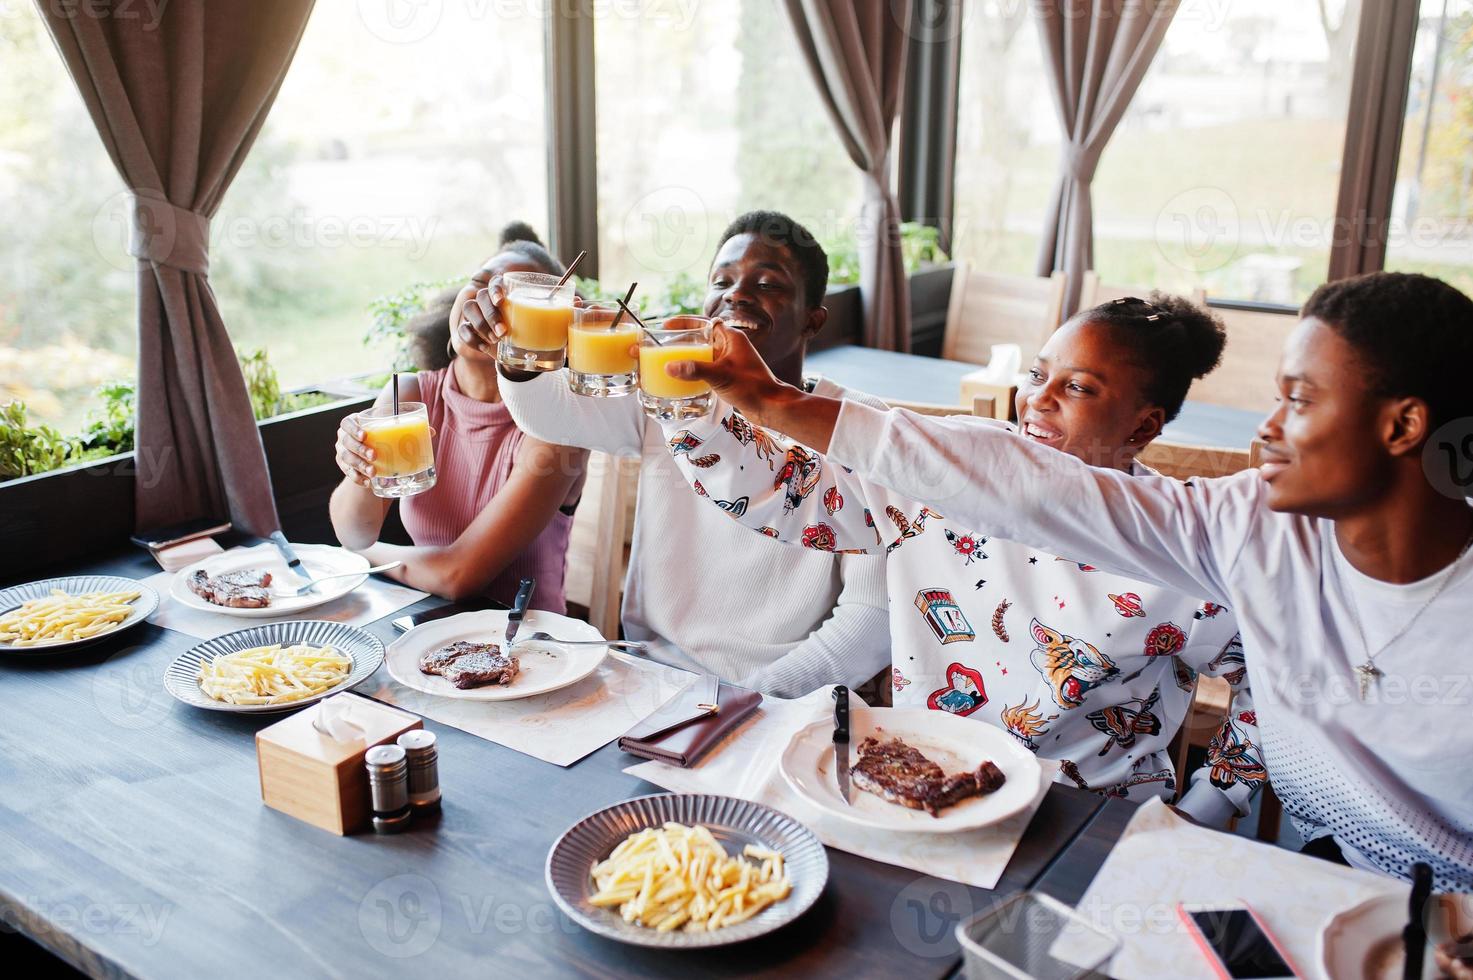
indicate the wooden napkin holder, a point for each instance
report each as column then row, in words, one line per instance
column 309, row 775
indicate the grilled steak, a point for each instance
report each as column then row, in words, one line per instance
column 436, row 661
column 898, row 773
column 466, row 664
column 242, row 589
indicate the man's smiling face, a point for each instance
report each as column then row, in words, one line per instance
column 757, row 287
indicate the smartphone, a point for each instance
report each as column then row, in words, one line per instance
column 406, row 623
column 1236, row 943
column 160, row 538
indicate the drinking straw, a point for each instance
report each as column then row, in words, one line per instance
column 566, row 275
column 394, row 385
column 623, row 305
column 633, row 316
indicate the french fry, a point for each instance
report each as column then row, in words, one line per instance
column 678, row 877
column 62, row 618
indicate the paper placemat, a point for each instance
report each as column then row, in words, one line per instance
column 745, row 765
column 1162, row 859
column 371, row 601
column 560, row 727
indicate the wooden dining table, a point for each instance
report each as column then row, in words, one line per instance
column 136, row 845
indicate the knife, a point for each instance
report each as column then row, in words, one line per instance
column 293, row 563
column 841, row 740
column 1414, row 936
column 519, row 608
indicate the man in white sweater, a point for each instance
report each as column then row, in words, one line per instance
column 1344, row 557
column 705, row 594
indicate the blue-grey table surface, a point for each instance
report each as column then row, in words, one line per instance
column 135, row 843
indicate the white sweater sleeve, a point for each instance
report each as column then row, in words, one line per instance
column 545, row 408
column 849, row 647
column 1185, row 536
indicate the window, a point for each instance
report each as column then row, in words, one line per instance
column 404, row 137
column 1431, row 227
column 1007, row 155
column 67, row 313
column 706, row 110
column 1224, row 171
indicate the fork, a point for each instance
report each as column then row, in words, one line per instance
column 634, row 645
column 294, row 593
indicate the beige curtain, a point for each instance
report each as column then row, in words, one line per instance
column 178, row 103
column 1098, row 51
column 855, row 50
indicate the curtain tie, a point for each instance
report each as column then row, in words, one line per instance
column 168, row 235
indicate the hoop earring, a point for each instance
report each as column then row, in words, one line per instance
column 449, row 348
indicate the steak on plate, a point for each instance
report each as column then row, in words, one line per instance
column 899, row 773
column 242, row 589
column 467, row 664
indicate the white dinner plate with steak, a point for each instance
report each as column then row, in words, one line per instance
column 254, row 583
column 928, row 739
column 470, row 650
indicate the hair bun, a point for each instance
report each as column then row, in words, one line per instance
column 518, row 231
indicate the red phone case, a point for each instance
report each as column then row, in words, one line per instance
column 1210, row 955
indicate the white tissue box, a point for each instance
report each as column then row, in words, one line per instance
column 313, row 777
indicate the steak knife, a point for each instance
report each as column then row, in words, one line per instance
column 519, row 608
column 293, row 563
column 841, row 740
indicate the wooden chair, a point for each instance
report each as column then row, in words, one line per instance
column 1245, row 378
column 1093, row 292
column 1183, row 462
column 987, row 309
column 598, row 547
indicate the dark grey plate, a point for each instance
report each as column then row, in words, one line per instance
column 367, row 651
column 14, row 596
column 735, row 823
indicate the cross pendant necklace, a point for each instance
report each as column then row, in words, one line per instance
column 1368, row 674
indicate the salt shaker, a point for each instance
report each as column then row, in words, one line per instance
column 423, row 758
column 388, row 783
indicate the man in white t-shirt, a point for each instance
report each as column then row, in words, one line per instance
column 700, row 591
column 1345, row 557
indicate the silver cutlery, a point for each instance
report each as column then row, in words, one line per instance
column 634, row 645
column 312, row 584
column 841, row 741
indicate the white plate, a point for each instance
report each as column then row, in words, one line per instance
column 181, row 679
column 953, row 743
column 1364, row 942
column 317, row 559
column 545, row 666
column 17, row 595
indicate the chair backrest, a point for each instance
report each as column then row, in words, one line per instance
column 1182, row 461
column 1094, row 292
column 598, row 547
column 987, row 309
column 1245, row 378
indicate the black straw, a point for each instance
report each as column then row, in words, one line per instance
column 394, row 385
column 623, row 306
column 567, row 274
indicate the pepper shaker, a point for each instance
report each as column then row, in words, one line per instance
column 388, row 783
column 423, row 758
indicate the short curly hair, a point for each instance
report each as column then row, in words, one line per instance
column 1173, row 339
column 1413, row 334
column 777, row 228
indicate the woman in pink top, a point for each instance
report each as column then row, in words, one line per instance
column 501, row 507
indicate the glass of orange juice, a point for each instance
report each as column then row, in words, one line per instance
column 403, row 459
column 599, row 362
column 677, row 338
column 538, row 314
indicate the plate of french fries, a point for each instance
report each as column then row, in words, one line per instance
column 277, row 667
column 60, row 614
column 686, row 871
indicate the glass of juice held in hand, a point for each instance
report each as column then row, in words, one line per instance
column 538, row 313
column 599, row 362
column 403, row 458
column 678, row 338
